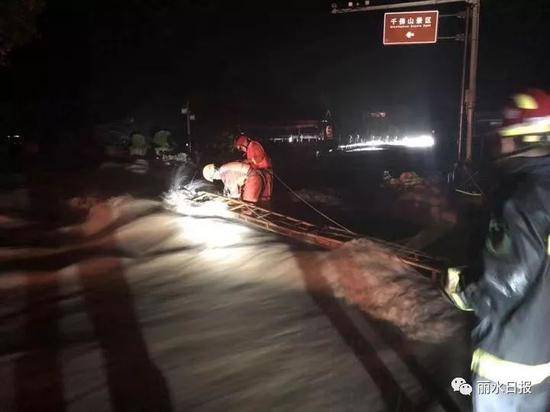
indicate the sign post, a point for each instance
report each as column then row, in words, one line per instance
column 413, row 27
column 397, row 32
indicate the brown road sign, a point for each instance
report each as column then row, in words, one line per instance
column 411, row 27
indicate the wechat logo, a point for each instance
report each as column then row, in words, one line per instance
column 460, row 385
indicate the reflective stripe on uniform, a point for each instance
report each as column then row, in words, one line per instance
column 495, row 369
column 459, row 302
column 453, row 279
column 533, row 127
column 532, row 138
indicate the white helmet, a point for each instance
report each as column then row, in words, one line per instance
column 210, row 172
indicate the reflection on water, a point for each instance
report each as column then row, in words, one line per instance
column 142, row 307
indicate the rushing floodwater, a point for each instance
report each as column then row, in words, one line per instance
column 148, row 306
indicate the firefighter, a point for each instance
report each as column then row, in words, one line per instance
column 509, row 287
column 261, row 179
column 239, row 179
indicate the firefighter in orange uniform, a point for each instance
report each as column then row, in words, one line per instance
column 259, row 183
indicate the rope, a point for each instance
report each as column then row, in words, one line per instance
column 470, row 180
column 309, row 204
column 468, row 193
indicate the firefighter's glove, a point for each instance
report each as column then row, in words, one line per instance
column 453, row 288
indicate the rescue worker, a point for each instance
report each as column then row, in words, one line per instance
column 239, row 180
column 262, row 179
column 509, row 287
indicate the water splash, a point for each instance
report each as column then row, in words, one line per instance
column 187, row 177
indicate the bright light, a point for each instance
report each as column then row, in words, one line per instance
column 377, row 143
column 366, row 149
column 213, row 233
column 206, row 223
column 180, row 202
column 418, row 141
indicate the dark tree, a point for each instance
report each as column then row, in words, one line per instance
column 17, row 24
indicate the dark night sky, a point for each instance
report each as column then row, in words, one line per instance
column 250, row 61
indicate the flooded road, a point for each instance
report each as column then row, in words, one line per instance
column 144, row 305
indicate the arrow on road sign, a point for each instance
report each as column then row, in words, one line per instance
column 409, row 35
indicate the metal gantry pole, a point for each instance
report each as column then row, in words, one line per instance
column 463, row 87
column 398, row 5
column 468, row 95
column 472, row 88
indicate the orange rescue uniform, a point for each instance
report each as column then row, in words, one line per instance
column 259, row 185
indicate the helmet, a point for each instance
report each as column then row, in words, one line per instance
column 527, row 116
column 210, row 172
column 526, row 123
column 241, row 142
